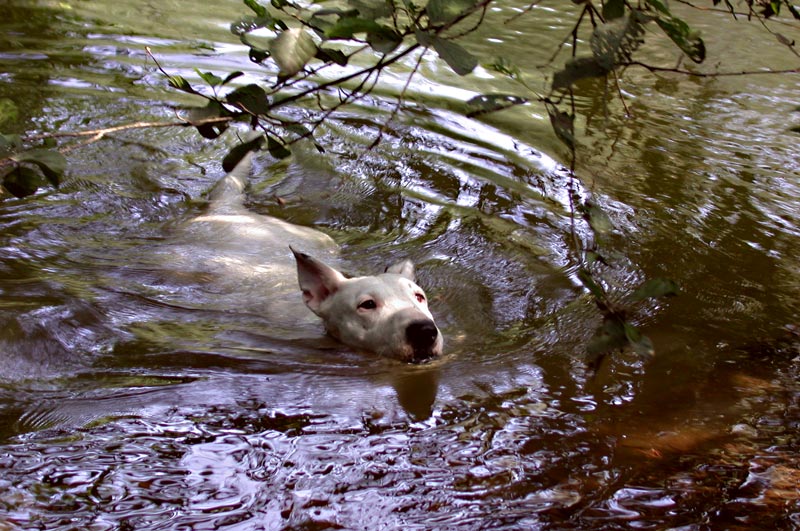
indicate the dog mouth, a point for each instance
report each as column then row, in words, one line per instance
column 418, row 357
column 423, row 337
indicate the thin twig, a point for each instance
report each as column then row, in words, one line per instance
column 400, row 100
column 523, row 12
column 709, row 74
column 98, row 134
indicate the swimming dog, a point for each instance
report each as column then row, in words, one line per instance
column 385, row 314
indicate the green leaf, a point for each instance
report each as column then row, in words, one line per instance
column 50, row 162
column 211, row 79
column 641, row 343
column 487, row 103
column 276, row 149
column 384, row 39
column 22, row 181
column 588, row 282
column 680, row 32
column 257, row 8
column 300, row 130
column 180, row 83
column 443, row 11
column 291, row 50
column 250, row 98
column 213, row 110
column 257, row 56
column 577, row 69
column 563, row 125
column 613, row 9
column 329, row 55
column 690, row 43
column 373, row 9
column 346, row 27
column 237, row 153
column 460, row 60
column 655, row 287
column 230, row 77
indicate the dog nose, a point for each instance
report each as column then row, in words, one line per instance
column 421, row 336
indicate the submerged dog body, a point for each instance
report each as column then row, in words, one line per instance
column 385, row 314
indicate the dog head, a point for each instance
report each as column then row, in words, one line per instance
column 385, row 314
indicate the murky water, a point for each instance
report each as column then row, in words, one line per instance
column 133, row 396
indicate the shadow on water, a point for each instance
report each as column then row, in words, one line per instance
column 135, row 395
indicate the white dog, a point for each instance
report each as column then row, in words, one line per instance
column 385, row 314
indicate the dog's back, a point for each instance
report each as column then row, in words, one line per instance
column 248, row 264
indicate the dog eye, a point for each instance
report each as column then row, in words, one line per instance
column 420, row 297
column 368, row 304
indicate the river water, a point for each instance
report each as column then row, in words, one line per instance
column 137, row 397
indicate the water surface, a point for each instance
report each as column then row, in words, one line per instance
column 133, row 397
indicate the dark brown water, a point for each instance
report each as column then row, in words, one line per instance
column 130, row 398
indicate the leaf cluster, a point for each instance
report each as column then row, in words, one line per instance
column 303, row 40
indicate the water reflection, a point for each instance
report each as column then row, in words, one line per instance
column 130, row 399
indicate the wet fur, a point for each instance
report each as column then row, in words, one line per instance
column 385, row 314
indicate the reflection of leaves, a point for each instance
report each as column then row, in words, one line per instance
column 51, row 163
column 9, row 112
column 577, row 69
column 617, row 40
column 611, row 43
column 608, row 337
column 563, row 125
column 598, row 219
column 487, row 103
column 615, row 334
column 443, row 11
column 589, row 283
column 22, row 181
column 9, row 143
column 641, row 343
column 613, row 9
column 654, row 288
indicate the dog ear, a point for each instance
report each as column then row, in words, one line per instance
column 404, row 268
column 317, row 280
